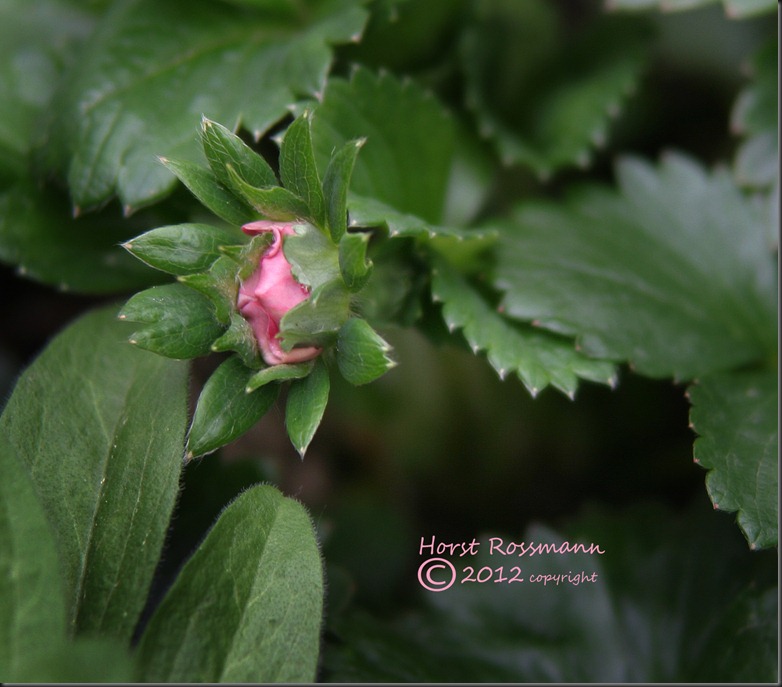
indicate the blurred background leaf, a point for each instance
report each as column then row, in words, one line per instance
column 664, row 587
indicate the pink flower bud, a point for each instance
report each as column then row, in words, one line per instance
column 269, row 293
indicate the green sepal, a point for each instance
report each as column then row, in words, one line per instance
column 248, row 256
column 224, row 410
column 335, row 187
column 274, row 202
column 224, row 148
column 240, row 338
column 179, row 322
column 307, row 399
column 204, row 185
column 354, row 265
column 317, row 320
column 313, row 257
column 182, row 248
column 219, row 285
column 279, row 373
column 362, row 355
column 298, row 170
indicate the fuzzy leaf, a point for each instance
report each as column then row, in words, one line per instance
column 247, row 606
column 354, row 265
column 179, row 323
column 105, row 465
column 313, row 257
column 248, row 256
column 31, row 595
column 151, row 69
column 335, row 187
column 219, row 285
column 224, row 410
column 306, row 404
column 403, row 126
column 298, row 170
column 223, row 148
column 182, row 248
column 736, row 417
column 273, row 202
column 506, row 50
column 539, row 358
column 362, row 355
column 79, row 255
column 204, row 185
column 673, row 274
column 316, row 320
column 239, row 337
column 278, row 373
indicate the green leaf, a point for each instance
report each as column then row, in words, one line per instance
column 105, row 464
column 35, row 49
column 316, row 320
column 38, row 236
column 225, row 410
column 298, row 170
column 248, row 256
column 313, row 257
column 279, row 373
column 31, row 596
column 204, row 186
column 179, row 323
column 369, row 212
column 306, row 404
column 273, row 202
column 403, row 126
column 539, row 358
column 239, row 337
column 220, row 285
column 362, row 355
column 663, row 588
column 223, row 148
column 336, row 181
column 673, row 274
column 736, row 418
column 247, row 606
column 514, row 54
column 182, row 248
column 354, row 265
column 151, row 70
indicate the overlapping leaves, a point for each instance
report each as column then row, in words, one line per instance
column 151, row 69
column 87, row 494
column 673, row 274
column 676, row 277
column 199, row 314
column 512, row 56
